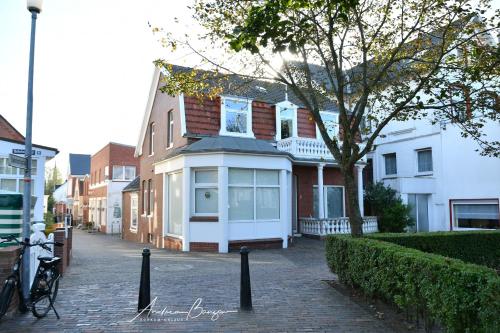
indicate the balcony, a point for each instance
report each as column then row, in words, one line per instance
column 306, row 148
column 332, row 226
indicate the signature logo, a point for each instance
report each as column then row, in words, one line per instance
column 194, row 312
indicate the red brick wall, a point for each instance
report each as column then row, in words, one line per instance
column 122, row 155
column 306, row 125
column 202, row 117
column 141, row 235
column 8, row 131
column 173, row 243
column 264, row 121
column 203, row 247
column 8, row 256
column 307, row 177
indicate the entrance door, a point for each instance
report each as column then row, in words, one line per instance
column 419, row 204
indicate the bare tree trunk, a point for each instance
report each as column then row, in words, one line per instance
column 355, row 218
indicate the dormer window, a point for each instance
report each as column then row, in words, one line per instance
column 286, row 120
column 331, row 121
column 236, row 117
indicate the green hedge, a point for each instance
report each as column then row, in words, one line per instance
column 477, row 247
column 462, row 297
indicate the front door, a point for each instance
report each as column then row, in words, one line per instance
column 175, row 206
column 419, row 204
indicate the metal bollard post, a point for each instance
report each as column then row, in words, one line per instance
column 144, row 289
column 245, row 289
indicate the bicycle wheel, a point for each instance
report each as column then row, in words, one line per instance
column 8, row 290
column 40, row 305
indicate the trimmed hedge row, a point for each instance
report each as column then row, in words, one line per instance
column 462, row 297
column 477, row 247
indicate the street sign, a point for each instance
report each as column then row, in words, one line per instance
column 17, row 161
column 22, row 151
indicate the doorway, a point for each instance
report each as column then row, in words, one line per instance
column 419, row 204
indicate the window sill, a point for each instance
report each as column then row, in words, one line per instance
column 390, row 176
column 173, row 236
column 204, row 219
column 239, row 135
column 169, row 147
column 424, row 174
column 133, row 230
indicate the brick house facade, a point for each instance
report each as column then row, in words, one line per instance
column 111, row 169
column 243, row 168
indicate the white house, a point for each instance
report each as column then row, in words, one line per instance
column 11, row 179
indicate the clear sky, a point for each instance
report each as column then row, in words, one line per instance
column 93, row 69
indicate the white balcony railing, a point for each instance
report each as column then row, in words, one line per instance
column 306, row 148
column 339, row 225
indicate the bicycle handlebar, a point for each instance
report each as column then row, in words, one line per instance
column 42, row 245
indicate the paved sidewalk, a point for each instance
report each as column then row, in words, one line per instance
column 99, row 292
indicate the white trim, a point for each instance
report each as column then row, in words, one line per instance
column 147, row 112
column 132, row 195
column 194, row 186
column 186, row 178
column 222, row 174
column 182, row 112
column 336, row 113
column 424, row 173
column 286, row 104
column 223, row 131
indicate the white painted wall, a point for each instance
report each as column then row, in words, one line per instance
column 41, row 157
column 459, row 172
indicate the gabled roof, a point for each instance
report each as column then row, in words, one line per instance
column 10, row 134
column 79, row 164
column 133, row 186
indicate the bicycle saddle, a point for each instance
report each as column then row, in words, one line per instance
column 51, row 260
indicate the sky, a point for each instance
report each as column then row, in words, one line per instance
column 93, row 69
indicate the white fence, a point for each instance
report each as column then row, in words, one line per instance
column 339, row 225
column 38, row 236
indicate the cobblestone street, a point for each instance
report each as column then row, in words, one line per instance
column 100, row 290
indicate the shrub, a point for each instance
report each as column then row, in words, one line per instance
column 393, row 215
column 477, row 247
column 462, row 297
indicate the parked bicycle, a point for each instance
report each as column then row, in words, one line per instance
column 45, row 285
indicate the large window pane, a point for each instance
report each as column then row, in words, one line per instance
column 241, row 203
column 129, row 172
column 334, row 202
column 483, row 216
column 236, row 122
column 8, row 185
column 205, row 177
column 268, row 177
column 240, row 176
column 5, row 168
column 175, row 203
column 424, row 160
column 315, row 203
column 206, row 201
column 331, row 123
column 390, row 164
column 235, row 105
column 117, row 172
column 268, row 203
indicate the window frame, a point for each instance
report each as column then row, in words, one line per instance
column 223, row 117
column 151, row 138
column 145, row 196
column 295, row 129
column 428, row 172
column 170, row 129
column 453, row 202
column 337, row 129
column 254, row 186
column 124, row 168
column 325, row 200
column 384, row 156
column 132, row 197
column 195, row 186
column 151, row 202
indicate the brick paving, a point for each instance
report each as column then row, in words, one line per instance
column 99, row 292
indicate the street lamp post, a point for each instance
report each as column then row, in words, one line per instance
column 35, row 7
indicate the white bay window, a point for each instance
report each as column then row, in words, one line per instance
column 236, row 117
column 254, row 195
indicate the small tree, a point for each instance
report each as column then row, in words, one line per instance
column 52, row 179
column 384, row 202
column 379, row 60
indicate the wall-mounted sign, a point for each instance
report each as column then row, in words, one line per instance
column 22, row 152
column 17, row 161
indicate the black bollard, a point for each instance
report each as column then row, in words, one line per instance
column 144, row 289
column 245, row 289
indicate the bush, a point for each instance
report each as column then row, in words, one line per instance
column 393, row 215
column 462, row 297
column 477, row 247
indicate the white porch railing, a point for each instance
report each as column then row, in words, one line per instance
column 331, row 226
column 306, row 148
column 38, row 236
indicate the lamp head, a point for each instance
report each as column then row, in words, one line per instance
column 34, row 5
